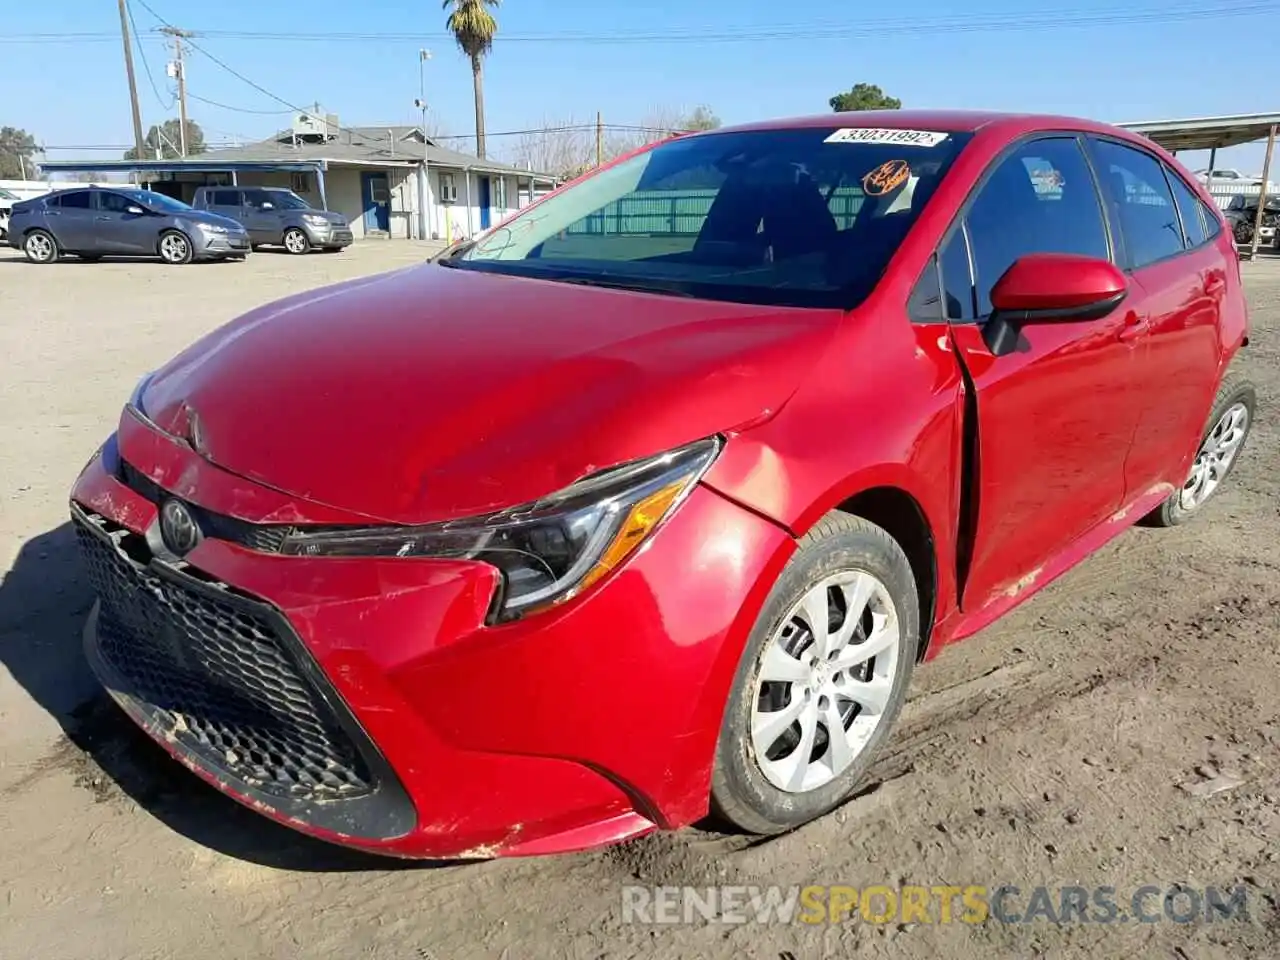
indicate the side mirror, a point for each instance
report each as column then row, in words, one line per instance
column 1051, row 288
column 134, row 209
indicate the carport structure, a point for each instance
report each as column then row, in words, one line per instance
column 145, row 170
column 1213, row 134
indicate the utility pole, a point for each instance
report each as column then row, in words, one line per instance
column 180, row 74
column 421, row 104
column 138, row 144
column 599, row 139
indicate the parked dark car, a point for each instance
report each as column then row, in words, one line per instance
column 274, row 215
column 95, row 222
column 1242, row 214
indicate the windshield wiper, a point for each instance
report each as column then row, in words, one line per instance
column 638, row 286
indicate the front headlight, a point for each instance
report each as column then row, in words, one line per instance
column 549, row 550
column 315, row 221
column 213, row 229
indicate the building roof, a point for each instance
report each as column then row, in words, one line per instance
column 390, row 145
column 1206, row 133
column 380, row 145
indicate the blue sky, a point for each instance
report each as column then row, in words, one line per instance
column 793, row 58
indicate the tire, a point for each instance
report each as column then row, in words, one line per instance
column 40, row 246
column 1225, row 434
column 780, row 789
column 174, row 247
column 1243, row 232
column 296, row 241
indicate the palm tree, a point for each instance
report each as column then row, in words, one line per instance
column 473, row 26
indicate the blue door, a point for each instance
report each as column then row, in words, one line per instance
column 484, row 202
column 377, row 201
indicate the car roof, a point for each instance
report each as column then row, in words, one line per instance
column 950, row 121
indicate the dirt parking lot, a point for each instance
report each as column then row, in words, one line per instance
column 1054, row 749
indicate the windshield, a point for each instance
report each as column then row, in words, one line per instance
column 805, row 217
column 283, row 200
column 157, row 201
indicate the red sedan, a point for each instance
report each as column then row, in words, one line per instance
column 647, row 503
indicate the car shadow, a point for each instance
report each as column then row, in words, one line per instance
column 44, row 600
column 69, row 259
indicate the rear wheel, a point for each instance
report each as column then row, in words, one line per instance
column 40, row 247
column 822, row 679
column 295, row 241
column 174, row 247
column 1224, row 437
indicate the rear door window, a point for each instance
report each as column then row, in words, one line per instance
column 1142, row 202
column 1040, row 198
column 225, row 198
column 75, row 200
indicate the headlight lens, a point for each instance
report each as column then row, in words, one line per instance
column 213, row 228
column 314, row 220
column 547, row 551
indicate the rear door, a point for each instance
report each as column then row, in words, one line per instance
column 119, row 228
column 70, row 219
column 1055, row 416
column 1183, row 277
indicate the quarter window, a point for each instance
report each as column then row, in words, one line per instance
column 957, row 281
column 1212, row 222
column 1039, row 199
column 1142, row 203
column 1188, row 209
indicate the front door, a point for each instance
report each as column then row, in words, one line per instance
column 260, row 217
column 1055, row 416
column 123, row 225
column 485, row 201
column 1182, row 275
column 377, row 202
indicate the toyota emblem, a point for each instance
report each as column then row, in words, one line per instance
column 178, row 528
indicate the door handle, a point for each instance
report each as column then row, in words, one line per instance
column 1134, row 326
column 102, row 218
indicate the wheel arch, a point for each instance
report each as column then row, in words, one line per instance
column 900, row 515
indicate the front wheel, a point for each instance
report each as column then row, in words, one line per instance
column 821, row 681
column 175, row 247
column 1227, row 430
column 295, row 241
column 40, row 247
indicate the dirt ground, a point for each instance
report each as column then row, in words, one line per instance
column 1051, row 749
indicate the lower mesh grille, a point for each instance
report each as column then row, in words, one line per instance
column 231, row 689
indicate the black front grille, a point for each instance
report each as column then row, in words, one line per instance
column 263, row 537
column 217, row 671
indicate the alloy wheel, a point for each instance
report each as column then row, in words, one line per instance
column 1215, row 456
column 39, row 247
column 824, row 680
column 173, row 247
column 295, row 241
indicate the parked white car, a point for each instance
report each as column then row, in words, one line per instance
column 1221, row 177
column 7, row 200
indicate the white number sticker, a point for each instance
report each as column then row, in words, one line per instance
column 905, row 138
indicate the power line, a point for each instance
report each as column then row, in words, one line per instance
column 145, row 65
column 227, row 106
column 781, row 32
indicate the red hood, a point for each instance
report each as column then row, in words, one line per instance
column 433, row 393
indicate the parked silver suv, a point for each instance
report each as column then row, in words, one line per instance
column 274, row 215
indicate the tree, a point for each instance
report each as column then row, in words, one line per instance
column 17, row 150
column 473, row 27
column 167, row 138
column 565, row 148
column 702, row 118
column 864, row 96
